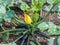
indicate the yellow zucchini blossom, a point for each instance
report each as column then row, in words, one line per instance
column 27, row 19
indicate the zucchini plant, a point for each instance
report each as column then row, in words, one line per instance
column 31, row 25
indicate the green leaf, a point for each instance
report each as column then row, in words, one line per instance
column 52, row 28
column 51, row 1
column 58, row 27
column 2, row 16
column 51, row 41
column 43, row 26
column 58, row 30
column 34, row 8
column 10, row 14
column 5, row 36
column 59, row 40
column 24, row 6
column 58, row 1
column 36, row 5
column 51, row 25
column 52, row 31
column 6, row 2
column 2, row 9
column 7, row 16
column 40, row 4
column 35, row 17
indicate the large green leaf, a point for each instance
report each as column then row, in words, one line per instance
column 43, row 26
column 3, row 15
column 52, row 29
column 51, row 25
column 8, row 15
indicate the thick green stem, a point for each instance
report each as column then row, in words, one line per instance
column 21, row 36
column 14, row 23
column 11, row 30
column 28, row 41
column 18, row 39
column 17, row 17
column 2, row 27
column 19, row 21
